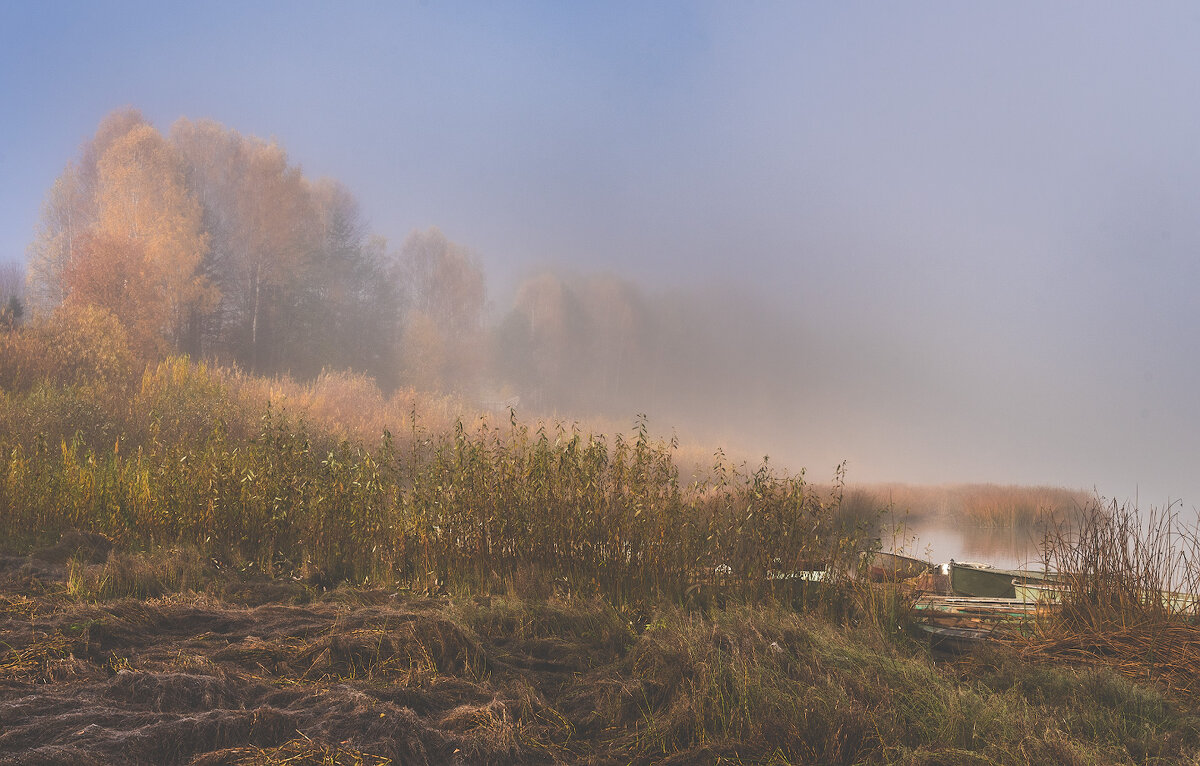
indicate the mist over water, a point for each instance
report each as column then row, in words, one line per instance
column 939, row 542
column 940, row 245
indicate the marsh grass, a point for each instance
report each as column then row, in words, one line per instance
column 479, row 505
column 1128, row 583
column 766, row 685
column 503, row 679
column 148, row 575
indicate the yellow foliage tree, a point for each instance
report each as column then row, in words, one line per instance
column 143, row 207
column 69, row 212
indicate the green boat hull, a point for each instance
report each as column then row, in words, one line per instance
column 1038, row 591
column 1046, row 591
column 988, row 582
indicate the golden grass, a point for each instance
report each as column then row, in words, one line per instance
column 46, row 657
column 303, row 751
column 479, row 502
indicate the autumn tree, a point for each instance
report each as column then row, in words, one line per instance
column 69, row 210
column 275, row 228
column 617, row 324
column 120, row 231
column 535, row 342
column 442, row 343
column 66, row 214
column 212, row 161
column 302, row 285
column 213, row 243
column 578, row 342
column 258, row 215
column 143, row 205
column 349, row 306
column 108, row 272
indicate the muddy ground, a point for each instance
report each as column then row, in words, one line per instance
column 259, row 671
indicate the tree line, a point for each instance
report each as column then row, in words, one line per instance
column 211, row 243
column 207, row 242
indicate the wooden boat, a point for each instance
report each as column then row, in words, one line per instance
column 971, row 579
column 957, row 623
column 1181, row 603
column 894, row 567
column 969, row 611
column 1047, row 591
column 1043, row 591
column 806, row 575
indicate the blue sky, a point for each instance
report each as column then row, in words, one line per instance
column 979, row 221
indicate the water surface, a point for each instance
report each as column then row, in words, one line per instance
column 936, row 541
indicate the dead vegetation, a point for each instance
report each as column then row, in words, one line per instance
column 351, row 676
column 1129, row 592
column 210, row 675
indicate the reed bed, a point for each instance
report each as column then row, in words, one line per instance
column 189, row 462
column 1127, row 585
column 982, row 505
column 1120, row 559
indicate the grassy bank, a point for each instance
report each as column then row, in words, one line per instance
column 219, row 667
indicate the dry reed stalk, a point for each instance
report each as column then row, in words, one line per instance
column 1167, row 653
column 1121, row 573
column 17, row 605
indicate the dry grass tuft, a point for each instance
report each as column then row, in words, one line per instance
column 301, row 751
column 487, row 732
column 44, row 658
column 127, row 575
column 1128, row 597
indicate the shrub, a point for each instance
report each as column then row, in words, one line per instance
column 81, row 346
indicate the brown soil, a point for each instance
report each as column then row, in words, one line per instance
column 248, row 676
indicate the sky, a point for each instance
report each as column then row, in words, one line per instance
column 974, row 228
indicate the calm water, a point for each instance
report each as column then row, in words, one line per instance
column 937, row 542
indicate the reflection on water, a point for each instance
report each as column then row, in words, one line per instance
column 938, row 542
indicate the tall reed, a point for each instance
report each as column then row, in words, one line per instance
column 1116, row 562
column 476, row 504
column 1127, row 583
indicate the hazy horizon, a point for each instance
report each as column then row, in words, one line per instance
column 944, row 244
